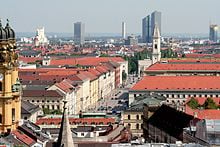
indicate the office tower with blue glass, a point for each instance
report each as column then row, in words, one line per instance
column 79, row 33
column 213, row 33
column 148, row 25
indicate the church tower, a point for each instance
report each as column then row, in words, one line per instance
column 10, row 101
column 156, row 54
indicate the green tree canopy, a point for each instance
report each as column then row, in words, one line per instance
column 209, row 104
column 193, row 103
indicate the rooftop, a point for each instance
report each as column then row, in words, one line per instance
column 184, row 66
column 178, row 83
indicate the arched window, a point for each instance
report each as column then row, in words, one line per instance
column 137, row 126
column 129, row 117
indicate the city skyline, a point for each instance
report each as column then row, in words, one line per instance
column 100, row 17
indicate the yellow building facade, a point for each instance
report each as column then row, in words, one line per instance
column 10, row 100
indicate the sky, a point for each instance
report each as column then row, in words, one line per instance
column 106, row 16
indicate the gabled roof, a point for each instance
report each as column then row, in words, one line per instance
column 33, row 131
column 65, row 85
column 23, row 137
column 28, row 108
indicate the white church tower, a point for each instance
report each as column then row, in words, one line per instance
column 156, row 54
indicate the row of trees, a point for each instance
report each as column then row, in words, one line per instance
column 133, row 60
column 168, row 53
column 208, row 104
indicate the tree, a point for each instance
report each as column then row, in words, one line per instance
column 209, row 104
column 193, row 103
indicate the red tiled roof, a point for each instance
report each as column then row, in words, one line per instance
column 89, row 75
column 29, row 59
column 65, row 85
column 194, row 60
column 182, row 83
column 89, row 121
column 95, row 72
column 85, row 60
column 185, row 66
column 23, row 137
column 40, row 93
column 201, row 113
column 201, row 100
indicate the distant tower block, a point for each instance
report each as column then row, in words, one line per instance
column 123, row 30
column 40, row 38
column 213, row 33
column 156, row 54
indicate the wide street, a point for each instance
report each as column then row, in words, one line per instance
column 117, row 101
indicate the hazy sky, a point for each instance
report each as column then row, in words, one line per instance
column 105, row 16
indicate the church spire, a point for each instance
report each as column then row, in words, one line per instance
column 156, row 53
column 65, row 138
column 156, row 33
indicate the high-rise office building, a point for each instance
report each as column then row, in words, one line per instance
column 148, row 25
column 213, row 33
column 123, row 30
column 79, row 33
column 146, row 29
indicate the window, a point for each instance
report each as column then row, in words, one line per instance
column 82, row 134
column 32, row 101
column 58, row 107
column 0, row 86
column 137, row 117
column 52, row 107
column 0, row 118
column 155, row 46
column 13, row 114
column 137, row 126
column 129, row 117
column 134, row 95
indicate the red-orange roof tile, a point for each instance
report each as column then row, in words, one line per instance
column 181, row 83
column 23, row 137
column 185, row 66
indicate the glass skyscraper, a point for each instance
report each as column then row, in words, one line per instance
column 79, row 33
column 148, row 24
column 213, row 33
